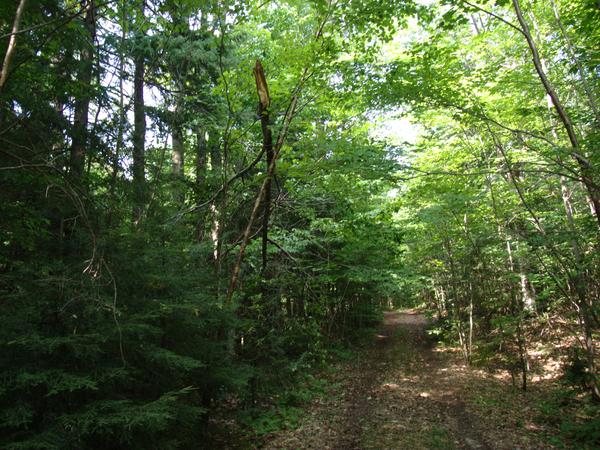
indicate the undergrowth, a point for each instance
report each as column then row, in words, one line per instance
column 282, row 406
column 576, row 419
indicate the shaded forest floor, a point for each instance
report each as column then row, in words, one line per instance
column 402, row 392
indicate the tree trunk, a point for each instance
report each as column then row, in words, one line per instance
column 122, row 115
column 527, row 291
column 201, row 159
column 271, row 169
column 582, row 75
column 139, row 133
column 528, row 295
column 82, row 103
column 12, row 44
column 586, row 171
column 216, row 165
column 581, row 291
column 455, row 305
column 263, row 110
column 177, row 154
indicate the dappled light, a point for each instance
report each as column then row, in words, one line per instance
column 299, row 224
column 419, row 392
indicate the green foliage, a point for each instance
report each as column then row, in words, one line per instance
column 273, row 420
column 496, row 233
column 285, row 407
column 118, row 331
column 579, row 424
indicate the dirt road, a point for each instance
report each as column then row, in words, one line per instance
column 404, row 393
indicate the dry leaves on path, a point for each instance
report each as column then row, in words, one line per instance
column 403, row 393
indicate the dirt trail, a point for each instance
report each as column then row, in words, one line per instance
column 403, row 393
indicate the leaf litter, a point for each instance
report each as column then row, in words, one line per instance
column 403, row 392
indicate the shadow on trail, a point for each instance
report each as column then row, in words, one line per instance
column 403, row 396
column 404, row 392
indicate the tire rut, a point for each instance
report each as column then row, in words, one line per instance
column 399, row 393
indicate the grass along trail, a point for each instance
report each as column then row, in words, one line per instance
column 402, row 392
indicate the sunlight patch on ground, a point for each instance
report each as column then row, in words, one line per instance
column 407, row 379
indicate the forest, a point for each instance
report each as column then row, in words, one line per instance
column 208, row 207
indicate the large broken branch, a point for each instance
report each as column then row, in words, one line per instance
column 265, row 101
column 261, row 194
column 261, row 86
column 265, row 119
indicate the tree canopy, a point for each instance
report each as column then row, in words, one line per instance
column 201, row 199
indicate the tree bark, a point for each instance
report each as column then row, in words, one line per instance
column 82, row 103
column 200, row 179
column 201, row 159
column 139, row 132
column 122, row 113
column 271, row 169
column 263, row 111
column 12, row 44
column 582, row 75
column 216, row 165
column 580, row 287
column 575, row 280
column 584, row 165
column 177, row 157
column 180, row 28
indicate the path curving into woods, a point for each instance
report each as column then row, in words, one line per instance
column 403, row 392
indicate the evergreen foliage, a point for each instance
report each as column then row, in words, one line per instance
column 132, row 153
